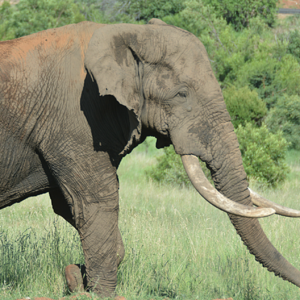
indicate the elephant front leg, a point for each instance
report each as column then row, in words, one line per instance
column 76, row 274
column 99, row 237
column 89, row 188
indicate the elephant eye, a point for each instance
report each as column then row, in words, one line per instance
column 182, row 94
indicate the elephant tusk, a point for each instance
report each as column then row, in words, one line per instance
column 210, row 194
column 280, row 210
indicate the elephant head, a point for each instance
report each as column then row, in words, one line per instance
column 163, row 76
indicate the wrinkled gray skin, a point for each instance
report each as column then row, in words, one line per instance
column 58, row 135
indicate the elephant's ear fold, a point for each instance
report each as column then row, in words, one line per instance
column 117, row 71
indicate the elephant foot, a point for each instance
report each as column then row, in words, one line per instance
column 75, row 276
column 76, row 280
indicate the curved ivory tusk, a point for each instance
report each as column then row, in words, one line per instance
column 280, row 210
column 210, row 194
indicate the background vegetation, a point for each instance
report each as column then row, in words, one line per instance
column 169, row 233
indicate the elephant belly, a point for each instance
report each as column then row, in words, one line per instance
column 22, row 172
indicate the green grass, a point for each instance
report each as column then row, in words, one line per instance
column 177, row 245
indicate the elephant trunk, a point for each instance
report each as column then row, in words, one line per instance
column 230, row 180
column 258, row 244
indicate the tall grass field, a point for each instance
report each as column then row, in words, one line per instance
column 177, row 245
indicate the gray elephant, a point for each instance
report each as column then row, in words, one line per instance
column 76, row 99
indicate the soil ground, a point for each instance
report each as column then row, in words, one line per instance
column 289, row 4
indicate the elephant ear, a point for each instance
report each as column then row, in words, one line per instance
column 118, row 72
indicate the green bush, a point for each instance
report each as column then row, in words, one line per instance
column 6, row 32
column 169, row 169
column 240, row 12
column 145, row 10
column 30, row 16
column 244, row 105
column 287, row 77
column 95, row 10
column 270, row 77
column 285, row 116
column 263, row 154
column 294, row 44
column 259, row 74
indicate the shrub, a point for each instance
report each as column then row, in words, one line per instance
column 6, row 32
column 95, row 10
column 240, row 12
column 263, row 153
column 259, row 74
column 269, row 76
column 294, row 44
column 147, row 9
column 29, row 16
column 285, row 116
column 244, row 105
column 287, row 77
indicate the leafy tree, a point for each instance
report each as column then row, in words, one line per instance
column 269, row 76
column 287, row 75
column 258, row 74
column 145, row 10
column 263, row 154
column 98, row 11
column 6, row 31
column 294, row 44
column 285, row 117
column 240, row 12
column 29, row 16
column 244, row 106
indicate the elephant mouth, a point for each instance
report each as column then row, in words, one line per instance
column 209, row 193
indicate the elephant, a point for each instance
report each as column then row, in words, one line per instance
column 76, row 99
